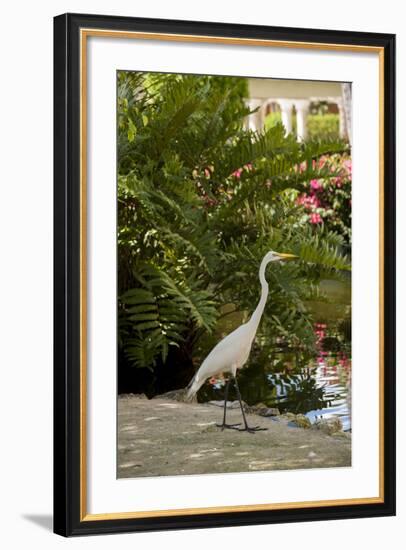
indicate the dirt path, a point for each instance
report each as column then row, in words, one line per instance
column 163, row 437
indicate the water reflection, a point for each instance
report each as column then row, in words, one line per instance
column 321, row 390
column 335, row 381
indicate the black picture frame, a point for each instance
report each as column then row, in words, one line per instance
column 68, row 519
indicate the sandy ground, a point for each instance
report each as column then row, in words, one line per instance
column 162, row 437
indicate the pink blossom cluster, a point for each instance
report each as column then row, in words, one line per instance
column 237, row 173
column 344, row 361
column 320, row 199
column 348, row 166
column 320, row 331
column 309, row 201
column 338, row 181
column 315, row 218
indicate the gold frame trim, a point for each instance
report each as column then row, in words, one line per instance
column 84, row 34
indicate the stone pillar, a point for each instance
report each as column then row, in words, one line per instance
column 286, row 112
column 254, row 120
column 342, row 120
column 346, row 94
column 302, row 110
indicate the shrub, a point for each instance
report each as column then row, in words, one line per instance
column 319, row 126
column 327, row 201
column 323, row 125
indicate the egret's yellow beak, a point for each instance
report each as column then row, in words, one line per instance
column 286, row 256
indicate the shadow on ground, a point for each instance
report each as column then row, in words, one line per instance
column 42, row 520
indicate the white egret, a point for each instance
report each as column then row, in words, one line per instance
column 232, row 352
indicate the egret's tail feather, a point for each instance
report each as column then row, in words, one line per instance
column 193, row 387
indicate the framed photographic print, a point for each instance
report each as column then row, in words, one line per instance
column 224, row 274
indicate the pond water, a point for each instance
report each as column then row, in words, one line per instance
column 332, row 384
column 320, row 391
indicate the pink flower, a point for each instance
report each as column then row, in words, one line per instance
column 348, row 165
column 209, row 201
column 247, row 167
column 308, row 201
column 300, row 167
column 315, row 218
column 314, row 184
column 337, row 181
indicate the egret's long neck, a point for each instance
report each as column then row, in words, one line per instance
column 256, row 316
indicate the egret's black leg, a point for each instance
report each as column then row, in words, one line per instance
column 225, row 400
column 224, row 425
column 246, row 427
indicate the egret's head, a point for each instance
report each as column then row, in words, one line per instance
column 273, row 256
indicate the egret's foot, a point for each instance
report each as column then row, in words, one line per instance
column 229, row 426
column 252, row 429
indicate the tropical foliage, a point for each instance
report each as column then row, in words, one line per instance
column 200, row 200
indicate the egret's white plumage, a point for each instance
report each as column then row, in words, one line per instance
column 231, row 353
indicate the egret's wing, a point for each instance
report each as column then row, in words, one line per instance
column 228, row 352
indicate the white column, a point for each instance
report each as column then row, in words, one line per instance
column 262, row 113
column 302, row 110
column 342, row 121
column 286, row 112
column 346, row 94
column 254, row 120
